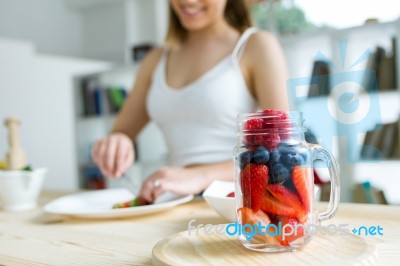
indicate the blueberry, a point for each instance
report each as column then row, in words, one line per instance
column 289, row 184
column 292, row 159
column 245, row 158
column 283, row 149
column 280, row 173
column 261, row 156
column 304, row 154
column 273, row 158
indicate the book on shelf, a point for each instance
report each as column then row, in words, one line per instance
column 98, row 104
column 319, row 82
column 92, row 95
column 366, row 193
column 395, row 62
column 386, row 143
column 385, row 67
column 372, row 139
column 87, row 97
column 98, row 100
column 396, row 144
column 116, row 97
column 373, row 63
column 386, row 75
column 93, row 178
column 383, row 142
column 325, row 191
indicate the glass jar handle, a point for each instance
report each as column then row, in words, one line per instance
column 320, row 153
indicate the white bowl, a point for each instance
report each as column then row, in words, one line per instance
column 216, row 196
column 19, row 190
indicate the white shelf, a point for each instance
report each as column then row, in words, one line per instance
column 99, row 118
column 301, row 50
column 327, row 32
column 389, row 102
column 382, row 174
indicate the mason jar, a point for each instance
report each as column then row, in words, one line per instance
column 274, row 182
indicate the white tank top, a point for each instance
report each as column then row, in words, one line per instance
column 199, row 120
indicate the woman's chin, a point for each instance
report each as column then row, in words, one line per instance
column 194, row 26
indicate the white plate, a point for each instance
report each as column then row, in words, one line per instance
column 98, row 204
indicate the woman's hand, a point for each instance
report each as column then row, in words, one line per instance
column 113, row 154
column 180, row 181
column 184, row 181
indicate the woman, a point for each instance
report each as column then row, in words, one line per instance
column 214, row 67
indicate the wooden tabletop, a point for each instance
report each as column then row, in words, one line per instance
column 36, row 238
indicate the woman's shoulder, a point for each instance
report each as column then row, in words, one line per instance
column 150, row 62
column 260, row 44
column 261, row 41
column 153, row 57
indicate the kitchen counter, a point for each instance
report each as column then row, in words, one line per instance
column 36, row 238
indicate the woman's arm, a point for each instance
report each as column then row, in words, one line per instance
column 114, row 154
column 266, row 70
column 184, row 181
column 133, row 115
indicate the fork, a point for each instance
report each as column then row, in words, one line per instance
column 129, row 184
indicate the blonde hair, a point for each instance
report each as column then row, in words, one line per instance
column 236, row 13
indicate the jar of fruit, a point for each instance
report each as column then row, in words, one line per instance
column 274, row 182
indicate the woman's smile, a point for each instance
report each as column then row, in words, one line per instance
column 197, row 15
column 192, row 10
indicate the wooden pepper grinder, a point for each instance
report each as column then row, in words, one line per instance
column 16, row 158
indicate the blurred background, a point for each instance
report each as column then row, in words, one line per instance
column 66, row 67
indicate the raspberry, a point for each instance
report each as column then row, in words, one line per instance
column 269, row 141
column 278, row 120
column 253, row 124
column 231, row 195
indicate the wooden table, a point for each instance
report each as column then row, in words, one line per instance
column 35, row 238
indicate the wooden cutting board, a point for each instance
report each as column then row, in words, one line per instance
column 200, row 249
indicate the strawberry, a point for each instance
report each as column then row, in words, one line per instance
column 288, row 198
column 248, row 216
column 274, row 206
column 132, row 203
column 253, row 181
column 301, row 180
column 292, row 233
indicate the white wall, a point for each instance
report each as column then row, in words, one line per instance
column 105, row 31
column 146, row 20
column 39, row 90
column 97, row 29
column 16, row 90
column 140, row 21
column 49, row 24
column 54, row 132
column 113, row 28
